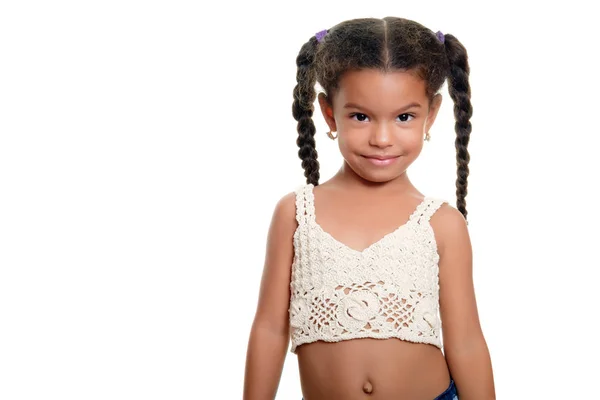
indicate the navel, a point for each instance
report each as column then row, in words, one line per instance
column 368, row 387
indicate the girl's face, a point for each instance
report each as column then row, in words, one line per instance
column 380, row 115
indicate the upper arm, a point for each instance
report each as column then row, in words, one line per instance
column 274, row 294
column 458, row 307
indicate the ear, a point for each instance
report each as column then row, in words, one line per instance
column 327, row 111
column 433, row 111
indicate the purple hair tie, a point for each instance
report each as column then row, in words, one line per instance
column 440, row 36
column 320, row 35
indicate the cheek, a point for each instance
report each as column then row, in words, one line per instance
column 344, row 145
column 351, row 140
column 414, row 142
column 349, row 149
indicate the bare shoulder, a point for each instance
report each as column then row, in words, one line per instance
column 450, row 228
column 284, row 214
column 282, row 227
column 274, row 294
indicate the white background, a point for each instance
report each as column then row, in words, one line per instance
column 144, row 146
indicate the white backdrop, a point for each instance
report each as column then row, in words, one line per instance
column 144, row 145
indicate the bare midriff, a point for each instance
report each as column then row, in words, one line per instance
column 372, row 369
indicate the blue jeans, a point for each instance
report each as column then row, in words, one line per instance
column 449, row 394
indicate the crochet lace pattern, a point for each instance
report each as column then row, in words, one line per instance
column 388, row 290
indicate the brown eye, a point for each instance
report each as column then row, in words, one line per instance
column 408, row 115
column 359, row 119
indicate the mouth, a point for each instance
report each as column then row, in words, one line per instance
column 381, row 160
column 381, row 157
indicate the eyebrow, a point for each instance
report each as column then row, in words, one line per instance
column 406, row 107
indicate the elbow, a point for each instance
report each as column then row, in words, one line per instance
column 271, row 328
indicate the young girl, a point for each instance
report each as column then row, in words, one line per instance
column 362, row 271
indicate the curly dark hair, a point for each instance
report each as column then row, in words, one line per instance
column 388, row 44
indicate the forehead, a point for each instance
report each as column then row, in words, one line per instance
column 373, row 87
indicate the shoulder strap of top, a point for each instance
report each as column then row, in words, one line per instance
column 305, row 204
column 426, row 209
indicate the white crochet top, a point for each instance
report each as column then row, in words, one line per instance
column 388, row 290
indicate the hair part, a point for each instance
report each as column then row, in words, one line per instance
column 388, row 45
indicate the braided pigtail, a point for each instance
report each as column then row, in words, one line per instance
column 303, row 108
column 460, row 92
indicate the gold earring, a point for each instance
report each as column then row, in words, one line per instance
column 331, row 136
column 427, row 136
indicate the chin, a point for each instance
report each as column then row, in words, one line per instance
column 380, row 176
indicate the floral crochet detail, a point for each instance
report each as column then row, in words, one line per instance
column 388, row 290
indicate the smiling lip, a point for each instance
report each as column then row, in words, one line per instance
column 381, row 157
column 382, row 160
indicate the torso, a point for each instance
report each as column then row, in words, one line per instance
column 369, row 368
column 387, row 368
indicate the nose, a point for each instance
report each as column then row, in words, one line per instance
column 381, row 136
